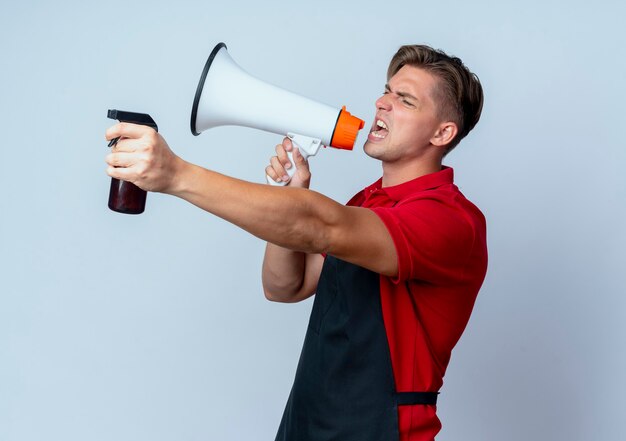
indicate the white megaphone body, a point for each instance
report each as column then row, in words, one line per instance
column 228, row 95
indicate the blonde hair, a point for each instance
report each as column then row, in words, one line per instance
column 459, row 97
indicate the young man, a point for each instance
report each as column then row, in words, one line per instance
column 395, row 272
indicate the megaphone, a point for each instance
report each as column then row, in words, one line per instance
column 228, row 95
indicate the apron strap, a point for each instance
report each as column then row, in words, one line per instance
column 408, row 398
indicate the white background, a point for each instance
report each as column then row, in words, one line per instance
column 154, row 327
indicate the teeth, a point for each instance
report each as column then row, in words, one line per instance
column 382, row 130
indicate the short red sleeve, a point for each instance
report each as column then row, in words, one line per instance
column 432, row 235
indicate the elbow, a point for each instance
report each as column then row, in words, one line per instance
column 278, row 288
column 269, row 295
column 283, row 294
column 276, row 293
column 281, row 298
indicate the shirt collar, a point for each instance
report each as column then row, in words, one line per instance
column 426, row 182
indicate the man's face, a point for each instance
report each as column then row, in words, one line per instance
column 406, row 117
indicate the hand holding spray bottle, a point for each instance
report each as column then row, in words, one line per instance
column 125, row 197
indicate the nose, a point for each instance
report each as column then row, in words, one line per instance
column 384, row 102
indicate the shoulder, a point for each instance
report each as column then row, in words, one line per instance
column 436, row 232
column 446, row 202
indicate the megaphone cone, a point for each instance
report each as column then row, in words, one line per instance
column 228, row 95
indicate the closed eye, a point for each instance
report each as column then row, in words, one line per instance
column 406, row 98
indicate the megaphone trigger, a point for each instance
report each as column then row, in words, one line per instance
column 306, row 145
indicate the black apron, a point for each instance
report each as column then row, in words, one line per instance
column 344, row 387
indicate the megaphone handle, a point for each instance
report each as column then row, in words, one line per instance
column 308, row 147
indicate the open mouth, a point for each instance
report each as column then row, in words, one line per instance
column 380, row 129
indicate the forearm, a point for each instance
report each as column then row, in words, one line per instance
column 282, row 273
column 292, row 218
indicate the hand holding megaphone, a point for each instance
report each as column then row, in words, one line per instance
column 227, row 95
column 306, row 147
column 288, row 163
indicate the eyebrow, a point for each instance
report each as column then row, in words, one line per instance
column 401, row 94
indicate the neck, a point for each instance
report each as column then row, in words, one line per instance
column 396, row 174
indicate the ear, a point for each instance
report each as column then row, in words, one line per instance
column 444, row 134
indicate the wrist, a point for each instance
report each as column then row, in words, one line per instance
column 181, row 178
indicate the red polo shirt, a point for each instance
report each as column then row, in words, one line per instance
column 440, row 239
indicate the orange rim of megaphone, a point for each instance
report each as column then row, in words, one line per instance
column 346, row 129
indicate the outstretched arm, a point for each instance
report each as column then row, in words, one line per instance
column 294, row 218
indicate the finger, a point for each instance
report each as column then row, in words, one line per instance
column 121, row 173
column 287, row 144
column 127, row 130
column 279, row 169
column 125, row 145
column 300, row 161
column 271, row 173
column 120, row 159
column 281, row 153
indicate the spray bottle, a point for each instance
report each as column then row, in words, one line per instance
column 125, row 197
